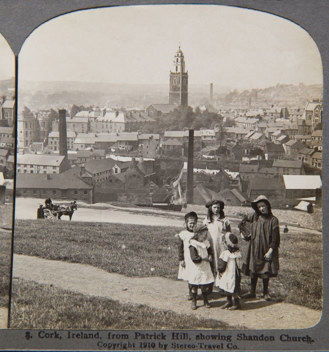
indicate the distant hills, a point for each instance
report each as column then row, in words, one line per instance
column 282, row 94
column 7, row 87
column 45, row 95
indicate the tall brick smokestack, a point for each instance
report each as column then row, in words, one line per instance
column 62, row 132
column 189, row 193
column 211, row 92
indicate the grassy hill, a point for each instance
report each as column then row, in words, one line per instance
column 135, row 250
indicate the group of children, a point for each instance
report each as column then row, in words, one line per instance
column 209, row 256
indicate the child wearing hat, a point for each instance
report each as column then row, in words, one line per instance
column 184, row 237
column 229, row 269
column 200, row 271
column 262, row 259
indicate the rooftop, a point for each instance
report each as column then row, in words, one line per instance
column 96, row 166
column 9, row 104
column 40, row 159
column 302, row 181
column 256, row 136
column 317, row 133
column 312, row 106
column 276, row 148
column 55, row 134
column 6, row 130
column 172, row 142
column 263, row 184
column 148, row 136
column 296, row 164
column 65, row 180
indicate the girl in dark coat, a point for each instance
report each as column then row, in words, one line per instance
column 262, row 259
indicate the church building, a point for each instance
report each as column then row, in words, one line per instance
column 178, row 87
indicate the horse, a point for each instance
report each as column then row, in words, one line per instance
column 66, row 210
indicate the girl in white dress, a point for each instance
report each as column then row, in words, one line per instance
column 200, row 271
column 217, row 225
column 229, row 265
column 184, row 237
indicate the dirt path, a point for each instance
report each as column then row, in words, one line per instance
column 159, row 293
column 101, row 212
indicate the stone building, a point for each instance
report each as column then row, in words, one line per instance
column 178, row 87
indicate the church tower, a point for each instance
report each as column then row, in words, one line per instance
column 178, row 86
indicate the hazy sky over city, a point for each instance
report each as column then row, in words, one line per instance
column 228, row 46
column 7, row 60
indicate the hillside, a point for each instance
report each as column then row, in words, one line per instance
column 7, row 86
column 44, row 95
column 281, row 94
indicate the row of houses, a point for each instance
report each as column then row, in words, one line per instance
column 146, row 143
column 94, row 182
column 284, row 191
column 111, row 121
column 126, row 181
column 35, row 127
column 312, row 116
column 254, row 146
column 275, row 134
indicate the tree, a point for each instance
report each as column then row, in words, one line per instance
column 27, row 112
column 53, row 115
column 74, row 110
column 229, row 123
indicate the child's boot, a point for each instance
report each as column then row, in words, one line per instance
column 252, row 293
column 228, row 304
column 205, row 300
column 190, row 295
column 236, row 305
column 265, row 294
column 193, row 306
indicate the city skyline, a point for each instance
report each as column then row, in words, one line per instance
column 226, row 46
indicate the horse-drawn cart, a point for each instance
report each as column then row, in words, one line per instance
column 52, row 211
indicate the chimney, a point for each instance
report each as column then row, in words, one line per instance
column 82, row 169
column 190, row 156
column 211, row 92
column 62, row 132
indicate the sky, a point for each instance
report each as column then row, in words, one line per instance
column 227, row 46
column 7, row 60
